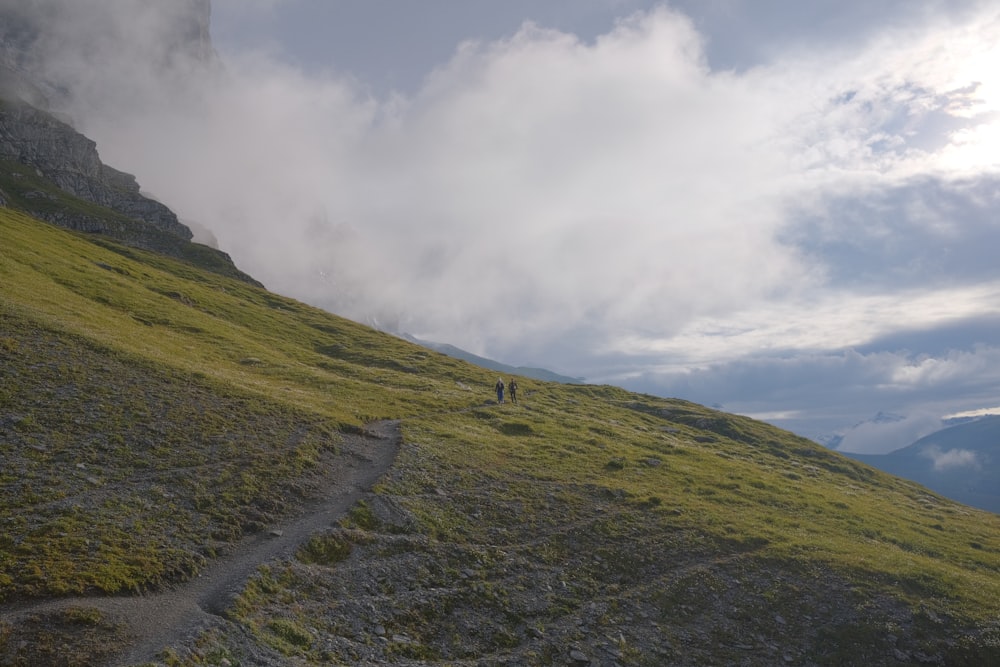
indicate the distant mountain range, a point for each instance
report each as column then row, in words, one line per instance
column 961, row 462
column 505, row 369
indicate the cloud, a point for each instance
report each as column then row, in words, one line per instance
column 924, row 232
column 951, row 459
column 881, row 436
column 478, row 212
column 252, row 5
column 567, row 180
column 609, row 207
column 112, row 46
column 821, row 394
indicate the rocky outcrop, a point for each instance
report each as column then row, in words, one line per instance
column 55, row 54
column 34, row 52
column 70, row 160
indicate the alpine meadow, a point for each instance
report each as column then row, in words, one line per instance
column 200, row 470
column 158, row 415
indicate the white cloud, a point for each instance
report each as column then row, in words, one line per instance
column 952, row 458
column 821, row 393
column 832, row 320
column 978, row 412
column 249, row 5
column 882, row 437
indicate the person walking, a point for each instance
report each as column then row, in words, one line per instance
column 499, row 388
column 512, row 388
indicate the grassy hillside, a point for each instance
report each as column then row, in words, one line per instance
column 151, row 413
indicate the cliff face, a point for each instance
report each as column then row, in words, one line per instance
column 70, row 161
column 57, row 55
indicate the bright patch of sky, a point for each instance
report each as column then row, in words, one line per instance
column 790, row 210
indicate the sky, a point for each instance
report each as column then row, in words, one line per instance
column 784, row 210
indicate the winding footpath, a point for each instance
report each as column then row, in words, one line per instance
column 163, row 619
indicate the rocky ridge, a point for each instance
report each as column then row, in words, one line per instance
column 68, row 159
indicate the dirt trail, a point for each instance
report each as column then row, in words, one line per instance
column 159, row 620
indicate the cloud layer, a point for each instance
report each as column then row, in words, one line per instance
column 763, row 237
column 952, row 458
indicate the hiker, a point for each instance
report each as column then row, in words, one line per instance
column 512, row 387
column 499, row 388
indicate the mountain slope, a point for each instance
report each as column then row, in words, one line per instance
column 960, row 462
column 152, row 414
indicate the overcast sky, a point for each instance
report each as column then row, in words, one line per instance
column 789, row 210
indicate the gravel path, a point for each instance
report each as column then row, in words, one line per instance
column 159, row 620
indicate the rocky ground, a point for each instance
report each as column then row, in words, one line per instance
column 594, row 586
column 141, row 626
column 430, row 564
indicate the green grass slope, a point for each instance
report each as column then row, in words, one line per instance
column 151, row 413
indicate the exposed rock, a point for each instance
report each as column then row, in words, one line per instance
column 391, row 515
column 44, row 162
column 70, row 160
